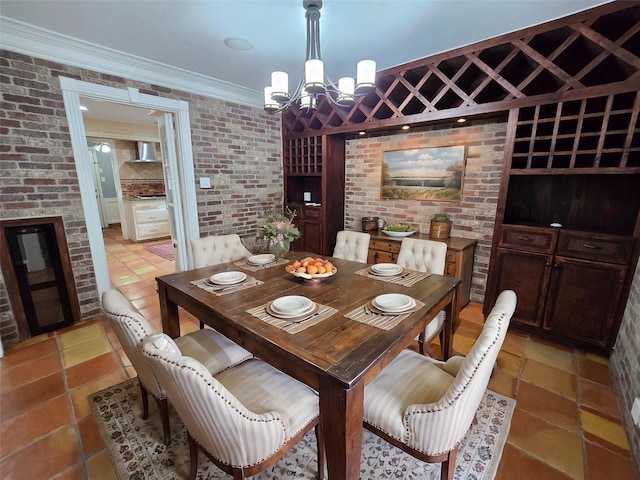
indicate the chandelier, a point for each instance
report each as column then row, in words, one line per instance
column 314, row 82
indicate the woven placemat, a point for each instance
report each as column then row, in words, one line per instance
column 224, row 289
column 364, row 314
column 254, row 268
column 292, row 326
column 407, row 278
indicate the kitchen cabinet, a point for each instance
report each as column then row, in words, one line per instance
column 459, row 260
column 146, row 219
column 314, row 186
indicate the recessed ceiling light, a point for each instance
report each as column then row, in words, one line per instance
column 83, row 108
column 405, row 127
column 362, row 133
column 461, row 120
column 236, row 43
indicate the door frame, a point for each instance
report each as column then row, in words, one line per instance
column 72, row 89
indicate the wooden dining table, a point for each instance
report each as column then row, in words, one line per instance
column 336, row 357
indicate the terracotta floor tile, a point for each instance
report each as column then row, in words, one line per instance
column 605, row 464
column 514, row 343
column 551, row 356
column 18, row 354
column 79, row 395
column 92, row 369
column 34, row 423
column 74, row 473
column 509, row 363
column 595, row 371
column 599, row 397
column 603, row 429
column 518, row 465
column 45, row 458
column 89, row 436
column 28, row 396
column 85, row 351
column 550, row 378
column 99, row 467
column 503, row 383
column 80, row 335
column 29, row 371
column 552, row 445
column 549, row 406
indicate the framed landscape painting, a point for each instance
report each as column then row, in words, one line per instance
column 434, row 173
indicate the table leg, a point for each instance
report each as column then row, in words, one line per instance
column 341, row 419
column 169, row 314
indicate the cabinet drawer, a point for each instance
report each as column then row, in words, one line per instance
column 593, row 246
column 312, row 213
column 387, row 246
column 450, row 269
column 151, row 216
column 153, row 230
column 452, row 257
column 528, row 238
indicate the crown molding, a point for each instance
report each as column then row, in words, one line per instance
column 38, row 42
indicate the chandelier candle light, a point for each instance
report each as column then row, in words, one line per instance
column 313, row 85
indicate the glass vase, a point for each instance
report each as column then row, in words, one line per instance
column 279, row 247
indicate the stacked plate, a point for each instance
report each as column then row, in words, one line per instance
column 227, row 278
column 291, row 306
column 386, row 269
column 393, row 303
column 263, row 259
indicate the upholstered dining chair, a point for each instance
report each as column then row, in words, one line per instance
column 425, row 256
column 424, row 406
column 243, row 419
column 211, row 348
column 216, row 249
column 352, row 246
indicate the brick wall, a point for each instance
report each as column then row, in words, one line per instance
column 625, row 364
column 473, row 217
column 238, row 147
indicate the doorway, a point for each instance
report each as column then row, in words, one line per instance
column 182, row 181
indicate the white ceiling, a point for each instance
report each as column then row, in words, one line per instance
column 189, row 34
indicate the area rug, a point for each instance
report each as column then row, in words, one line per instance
column 164, row 250
column 138, row 453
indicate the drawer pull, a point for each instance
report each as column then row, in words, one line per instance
column 525, row 239
column 591, row 246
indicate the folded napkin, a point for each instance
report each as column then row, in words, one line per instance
column 368, row 315
column 224, row 289
column 292, row 325
column 407, row 278
column 254, row 268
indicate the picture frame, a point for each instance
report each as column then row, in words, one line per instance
column 428, row 173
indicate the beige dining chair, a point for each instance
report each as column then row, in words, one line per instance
column 211, row 348
column 424, row 406
column 352, row 246
column 243, row 419
column 216, row 249
column 425, row 256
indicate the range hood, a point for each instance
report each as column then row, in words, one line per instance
column 146, row 153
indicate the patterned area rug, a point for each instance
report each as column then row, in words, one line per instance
column 137, row 450
column 165, row 250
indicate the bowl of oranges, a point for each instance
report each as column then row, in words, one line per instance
column 312, row 270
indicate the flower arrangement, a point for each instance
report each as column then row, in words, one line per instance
column 280, row 231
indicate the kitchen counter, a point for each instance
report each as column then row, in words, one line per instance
column 146, row 218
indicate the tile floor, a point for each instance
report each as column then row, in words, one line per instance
column 565, row 426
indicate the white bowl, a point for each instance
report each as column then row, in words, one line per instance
column 262, row 259
column 227, row 278
column 393, row 302
column 398, row 234
column 386, row 269
column 292, row 304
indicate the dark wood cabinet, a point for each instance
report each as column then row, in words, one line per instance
column 568, row 225
column 314, row 187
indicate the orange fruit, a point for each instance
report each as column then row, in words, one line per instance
column 296, row 264
column 312, row 269
column 290, row 268
column 321, row 269
column 301, row 270
column 328, row 266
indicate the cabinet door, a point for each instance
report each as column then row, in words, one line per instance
column 312, row 237
column 583, row 299
column 527, row 274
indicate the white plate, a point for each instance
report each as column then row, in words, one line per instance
column 386, row 269
column 398, row 234
column 227, row 278
column 292, row 304
column 296, row 315
column 393, row 302
column 262, row 259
